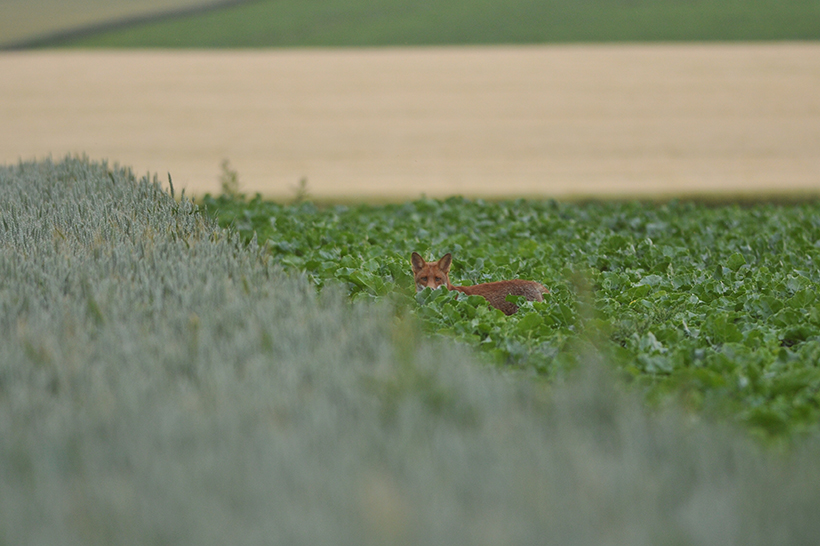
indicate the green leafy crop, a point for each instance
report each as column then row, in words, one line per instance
column 713, row 305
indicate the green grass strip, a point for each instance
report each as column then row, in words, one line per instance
column 334, row 23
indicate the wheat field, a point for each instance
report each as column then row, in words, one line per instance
column 391, row 124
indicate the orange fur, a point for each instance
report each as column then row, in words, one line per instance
column 437, row 274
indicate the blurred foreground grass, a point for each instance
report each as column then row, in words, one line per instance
column 162, row 383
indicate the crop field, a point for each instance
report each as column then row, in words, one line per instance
column 394, row 124
column 164, row 380
column 237, row 370
column 288, row 23
column 713, row 305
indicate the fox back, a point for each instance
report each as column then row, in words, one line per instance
column 437, row 274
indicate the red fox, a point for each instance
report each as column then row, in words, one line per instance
column 437, row 274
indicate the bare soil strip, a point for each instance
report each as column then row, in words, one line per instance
column 392, row 124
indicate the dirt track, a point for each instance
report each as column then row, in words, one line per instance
column 395, row 123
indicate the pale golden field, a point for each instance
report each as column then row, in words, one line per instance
column 391, row 124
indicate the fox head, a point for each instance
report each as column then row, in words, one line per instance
column 432, row 274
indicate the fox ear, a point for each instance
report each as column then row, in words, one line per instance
column 445, row 261
column 417, row 261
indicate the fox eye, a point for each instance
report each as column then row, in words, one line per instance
column 439, row 280
column 423, row 279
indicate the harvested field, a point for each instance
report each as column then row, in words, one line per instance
column 392, row 124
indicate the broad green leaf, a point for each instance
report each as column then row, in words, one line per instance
column 735, row 261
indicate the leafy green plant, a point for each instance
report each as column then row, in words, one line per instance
column 712, row 304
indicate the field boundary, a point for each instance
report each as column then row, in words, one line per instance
column 51, row 39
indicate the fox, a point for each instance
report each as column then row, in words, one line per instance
column 437, row 274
